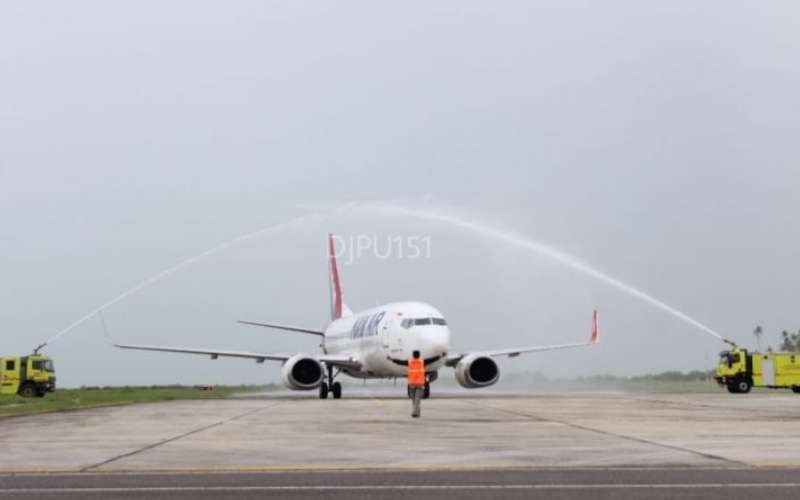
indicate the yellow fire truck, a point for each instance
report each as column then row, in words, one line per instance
column 27, row 376
column 740, row 370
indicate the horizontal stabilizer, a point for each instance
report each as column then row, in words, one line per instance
column 284, row 327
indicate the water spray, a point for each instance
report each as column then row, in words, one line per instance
column 177, row 267
column 483, row 230
column 541, row 249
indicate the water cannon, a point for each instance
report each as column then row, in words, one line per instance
column 731, row 343
column 39, row 348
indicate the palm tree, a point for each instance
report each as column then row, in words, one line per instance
column 786, row 345
column 758, row 332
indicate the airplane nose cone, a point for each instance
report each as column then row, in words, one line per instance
column 434, row 342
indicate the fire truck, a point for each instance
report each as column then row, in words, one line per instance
column 740, row 370
column 27, row 376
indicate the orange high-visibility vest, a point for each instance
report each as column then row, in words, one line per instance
column 416, row 372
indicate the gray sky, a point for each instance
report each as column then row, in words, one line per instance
column 657, row 142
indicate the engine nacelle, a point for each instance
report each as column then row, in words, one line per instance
column 477, row 370
column 301, row 372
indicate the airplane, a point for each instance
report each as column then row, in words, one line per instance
column 376, row 344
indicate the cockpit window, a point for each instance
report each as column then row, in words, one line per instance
column 729, row 357
column 409, row 322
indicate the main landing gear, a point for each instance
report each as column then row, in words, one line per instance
column 330, row 386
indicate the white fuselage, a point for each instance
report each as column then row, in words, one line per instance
column 382, row 338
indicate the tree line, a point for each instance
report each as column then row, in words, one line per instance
column 790, row 341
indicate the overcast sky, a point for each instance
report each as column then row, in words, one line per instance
column 656, row 141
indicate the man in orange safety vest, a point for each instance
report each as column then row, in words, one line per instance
column 416, row 381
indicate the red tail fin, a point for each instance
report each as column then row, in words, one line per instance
column 335, row 284
column 595, row 329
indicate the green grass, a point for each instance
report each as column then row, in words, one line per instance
column 92, row 397
column 659, row 383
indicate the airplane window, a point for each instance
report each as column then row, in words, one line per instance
column 422, row 321
column 439, row 321
column 406, row 323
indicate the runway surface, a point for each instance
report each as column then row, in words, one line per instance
column 609, row 484
column 285, row 445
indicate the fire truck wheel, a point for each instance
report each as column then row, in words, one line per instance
column 27, row 391
column 743, row 386
column 796, row 389
column 732, row 389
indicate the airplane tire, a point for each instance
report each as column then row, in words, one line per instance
column 323, row 391
column 427, row 392
column 337, row 390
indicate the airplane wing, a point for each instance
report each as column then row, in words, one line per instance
column 214, row 353
column 453, row 359
column 344, row 361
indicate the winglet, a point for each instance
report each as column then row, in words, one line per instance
column 595, row 329
column 105, row 328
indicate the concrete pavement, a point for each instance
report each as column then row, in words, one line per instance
column 296, row 431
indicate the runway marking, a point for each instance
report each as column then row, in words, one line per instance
column 379, row 469
column 710, row 456
column 175, row 438
column 403, row 487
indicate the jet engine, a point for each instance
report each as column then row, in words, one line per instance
column 477, row 370
column 301, row 372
